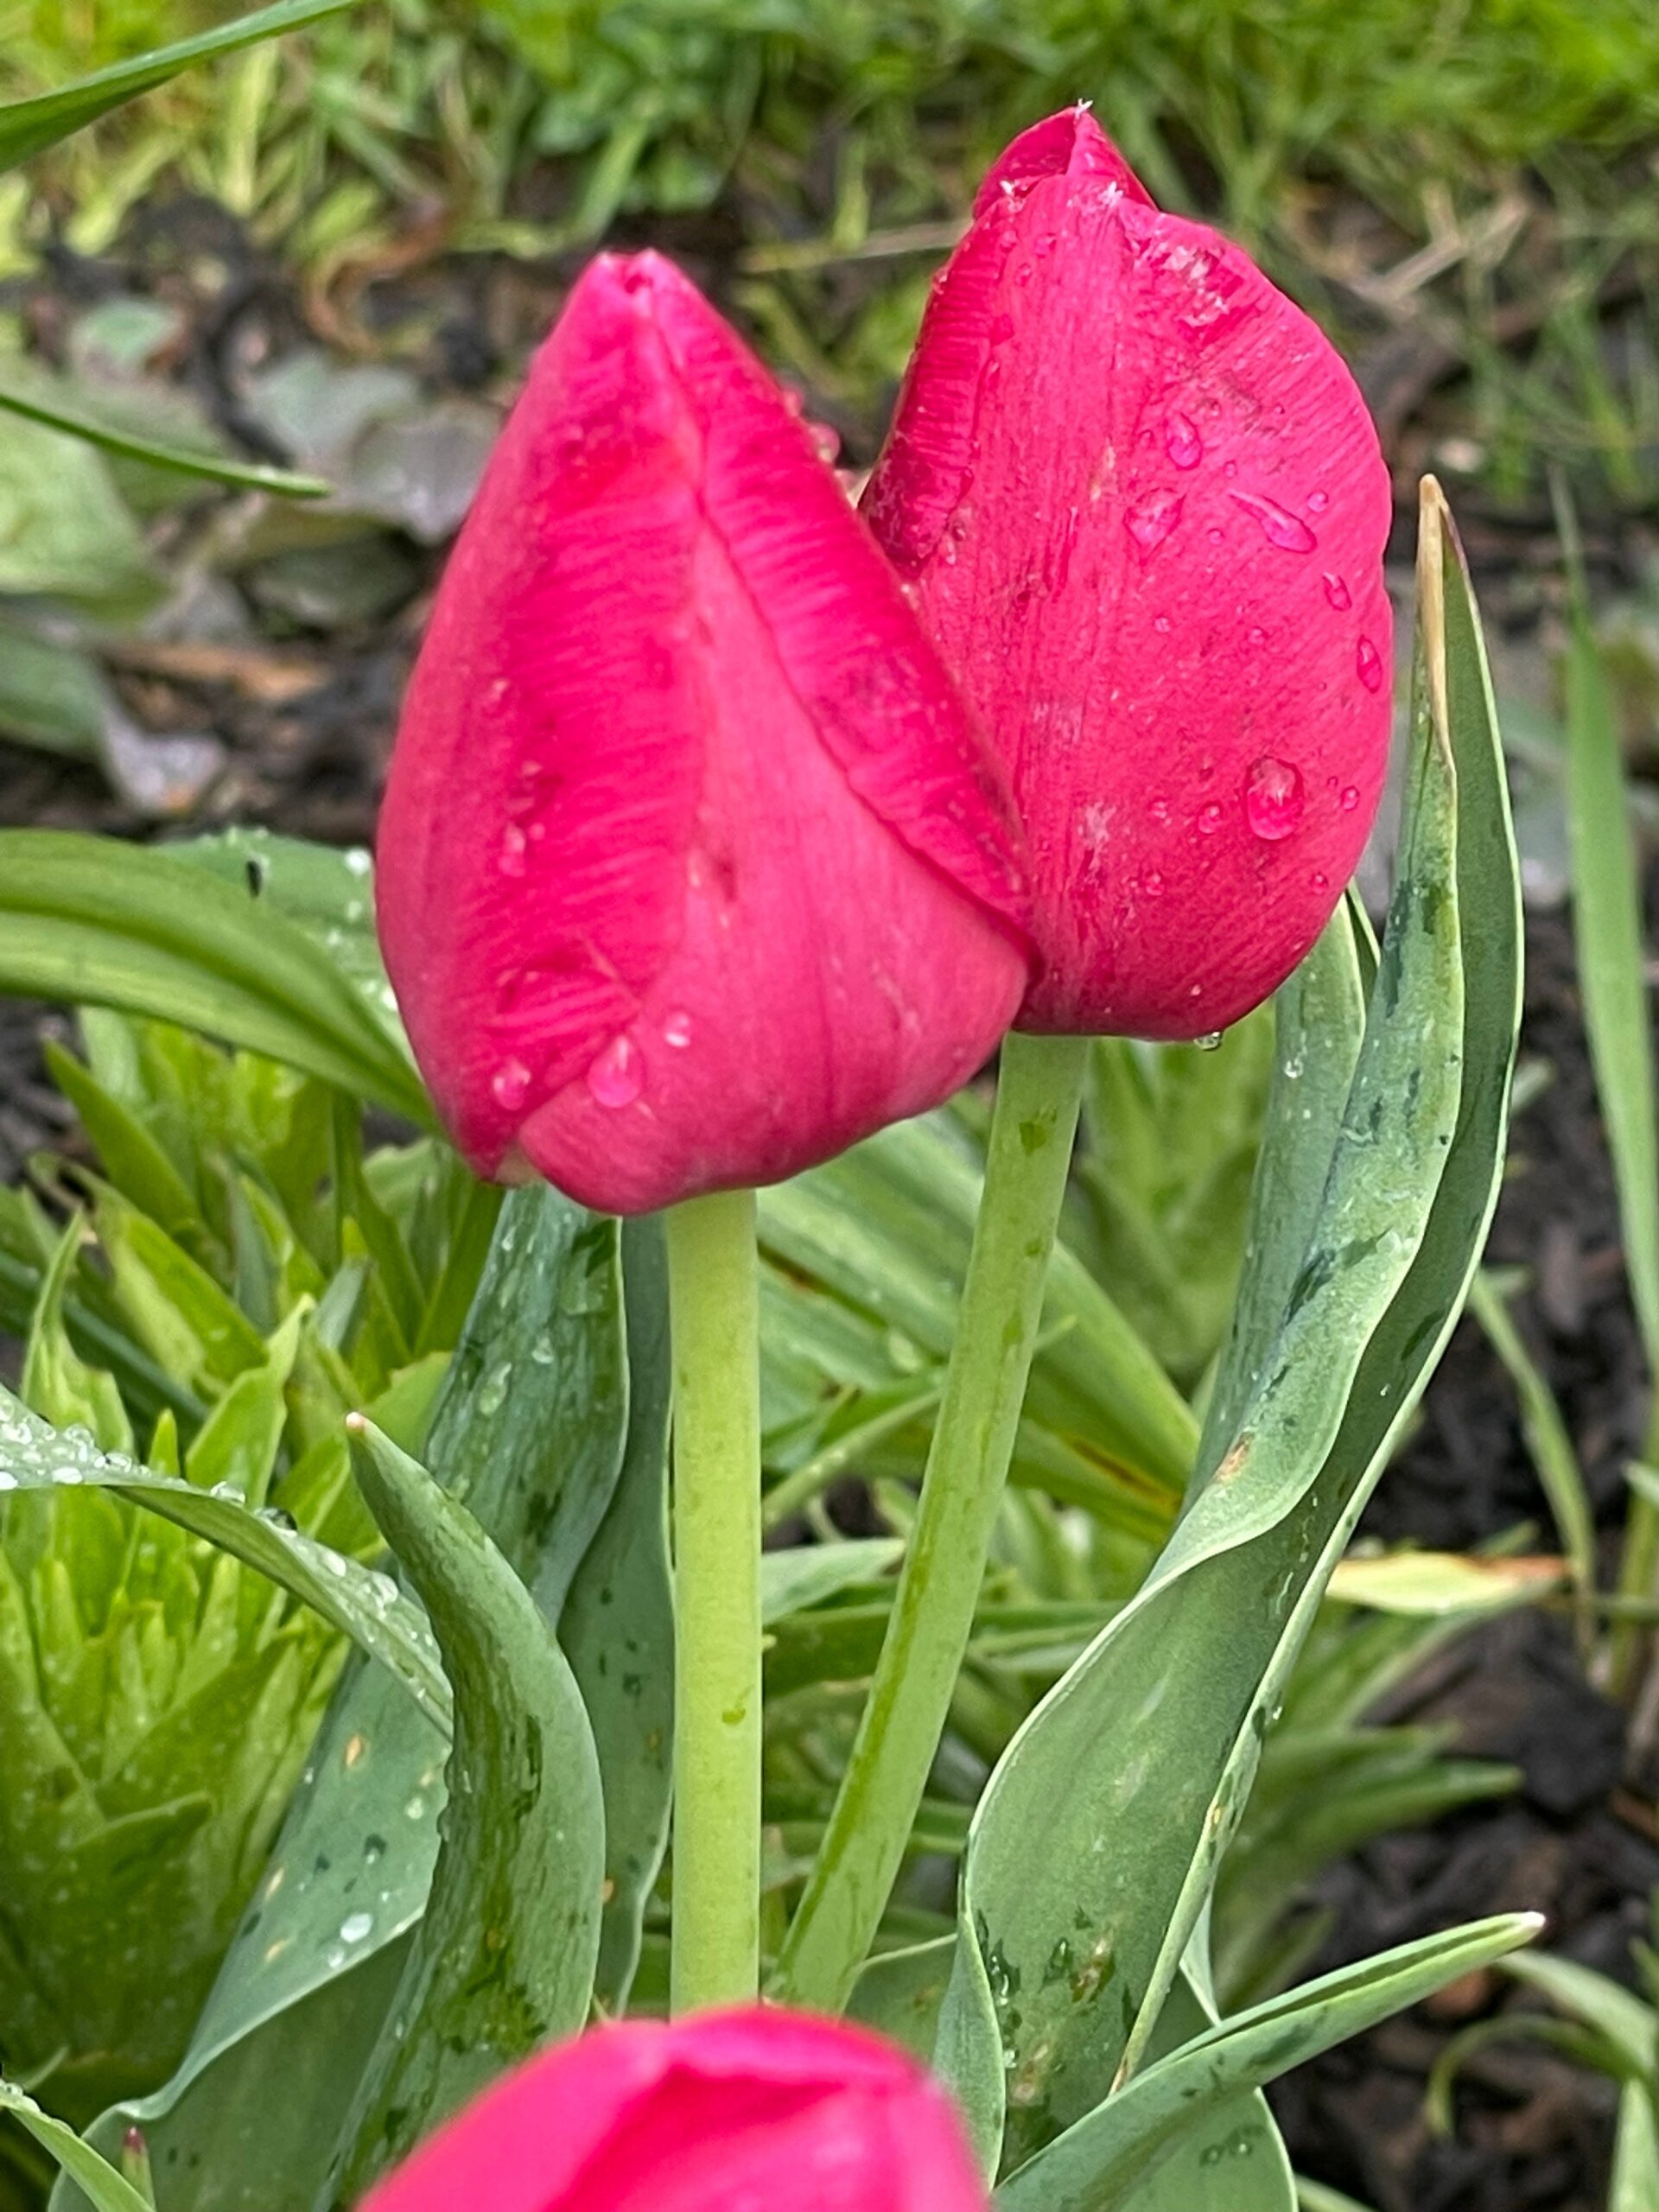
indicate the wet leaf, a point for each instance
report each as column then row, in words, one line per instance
column 504, row 1958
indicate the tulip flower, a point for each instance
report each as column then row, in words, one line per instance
column 692, row 871
column 1140, row 504
column 747, row 2108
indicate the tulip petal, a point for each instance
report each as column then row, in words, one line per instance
column 746, row 2107
column 1142, row 510
column 693, row 870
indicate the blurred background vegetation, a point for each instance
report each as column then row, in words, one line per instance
column 1466, row 191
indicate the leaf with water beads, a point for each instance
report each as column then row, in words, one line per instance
column 358, row 1599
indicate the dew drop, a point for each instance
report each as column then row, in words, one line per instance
column 355, row 1927
column 616, row 1077
column 1350, row 799
column 1272, row 799
column 1317, row 502
column 511, row 861
column 677, row 1031
column 1277, row 525
column 1369, row 662
column 1182, row 442
column 1152, row 884
column 1339, row 594
column 1210, row 1042
column 510, row 1085
column 1150, row 520
column 1159, row 809
column 1210, row 818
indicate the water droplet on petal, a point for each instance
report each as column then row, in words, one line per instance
column 1210, row 818
column 1150, row 520
column 1369, row 662
column 511, row 858
column 1277, row 525
column 1182, row 442
column 1152, row 884
column 1339, row 594
column 1350, row 799
column 1272, row 799
column 1317, row 502
column 1210, row 1042
column 510, row 1085
column 617, row 1077
column 677, row 1031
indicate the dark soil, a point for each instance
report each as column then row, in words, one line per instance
column 1577, row 1841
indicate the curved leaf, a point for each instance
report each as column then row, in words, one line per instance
column 1094, row 2165
column 355, row 1599
column 89, row 921
column 29, row 127
column 504, row 1956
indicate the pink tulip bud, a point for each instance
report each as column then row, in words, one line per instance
column 692, row 870
column 749, row 2111
column 1139, row 503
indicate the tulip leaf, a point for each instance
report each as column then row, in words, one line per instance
column 327, row 892
column 532, row 1412
column 213, row 469
column 1130, row 1778
column 29, row 127
column 355, row 1599
column 617, row 1628
column 1232, row 2159
column 106, row 2190
column 89, row 921
column 505, row 1954
column 1096, row 2164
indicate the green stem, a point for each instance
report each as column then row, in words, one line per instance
column 714, row 1295
column 1032, row 1131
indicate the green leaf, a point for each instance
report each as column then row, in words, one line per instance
column 1102, row 1827
column 504, row 1956
column 365, row 1604
column 1232, row 2159
column 106, row 2190
column 529, row 1449
column 247, row 476
column 886, row 1229
column 1549, row 1444
column 1612, row 959
column 617, row 1628
column 1091, row 2166
column 92, row 921
column 1630, row 2026
column 793, row 1581
column 29, row 127
column 1635, row 2183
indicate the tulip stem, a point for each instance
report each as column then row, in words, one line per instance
column 1038, row 1090
column 714, row 1297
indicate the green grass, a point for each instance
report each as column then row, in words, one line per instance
column 1468, row 181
